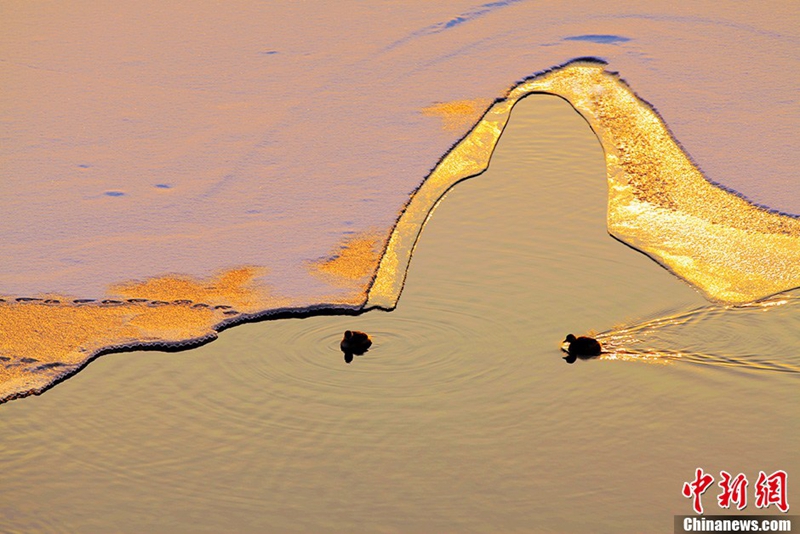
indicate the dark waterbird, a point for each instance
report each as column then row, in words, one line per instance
column 354, row 342
column 581, row 347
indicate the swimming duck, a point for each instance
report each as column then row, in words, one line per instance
column 581, row 346
column 354, row 342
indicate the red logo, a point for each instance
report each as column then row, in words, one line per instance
column 772, row 490
column 732, row 491
column 697, row 488
column 769, row 490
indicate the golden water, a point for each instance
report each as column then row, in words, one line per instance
column 463, row 417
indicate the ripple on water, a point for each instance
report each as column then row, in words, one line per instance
column 413, row 360
column 419, row 349
column 745, row 338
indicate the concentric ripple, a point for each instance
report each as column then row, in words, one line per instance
column 419, row 349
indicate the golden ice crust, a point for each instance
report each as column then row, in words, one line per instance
column 731, row 250
column 659, row 202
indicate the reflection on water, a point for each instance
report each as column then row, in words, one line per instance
column 462, row 417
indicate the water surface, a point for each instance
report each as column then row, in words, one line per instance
column 463, row 417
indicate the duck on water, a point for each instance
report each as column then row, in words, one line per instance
column 354, row 342
column 581, row 347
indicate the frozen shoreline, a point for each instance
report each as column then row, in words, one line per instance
column 754, row 256
column 463, row 417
